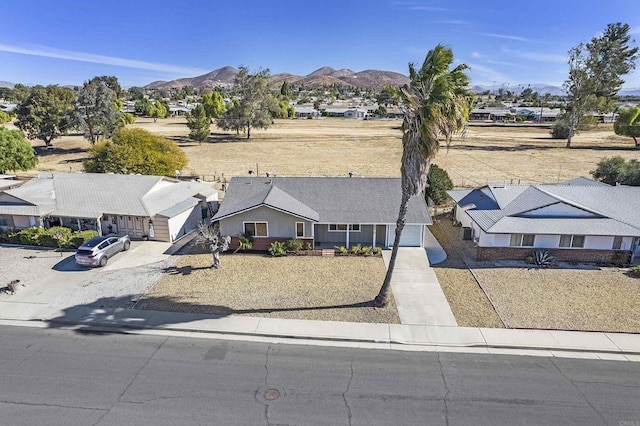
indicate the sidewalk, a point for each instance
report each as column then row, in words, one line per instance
column 549, row 343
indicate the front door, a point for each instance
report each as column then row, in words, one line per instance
column 130, row 225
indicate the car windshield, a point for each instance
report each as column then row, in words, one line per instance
column 84, row 252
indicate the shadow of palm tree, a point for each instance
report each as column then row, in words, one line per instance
column 108, row 315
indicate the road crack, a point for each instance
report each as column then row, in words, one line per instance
column 131, row 382
column 42, row 404
column 579, row 391
column 446, row 386
column 344, row 394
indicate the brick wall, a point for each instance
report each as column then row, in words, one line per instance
column 262, row 244
column 562, row 255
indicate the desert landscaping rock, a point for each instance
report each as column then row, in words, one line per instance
column 297, row 287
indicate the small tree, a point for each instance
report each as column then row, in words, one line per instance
column 439, row 183
column 96, row 111
column 199, row 124
column 213, row 104
column 158, row 111
column 209, row 237
column 47, row 113
column 628, row 124
column 134, row 150
column 616, row 170
column 254, row 103
column 16, row 152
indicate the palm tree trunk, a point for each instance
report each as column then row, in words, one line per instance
column 381, row 298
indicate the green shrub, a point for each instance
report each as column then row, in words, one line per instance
column 308, row 248
column 293, row 245
column 80, row 237
column 366, row 250
column 30, row 236
column 530, row 260
column 277, row 249
column 13, row 237
column 560, row 130
column 635, row 271
column 356, row 249
column 377, row 251
column 342, row 250
column 57, row 236
column 245, row 242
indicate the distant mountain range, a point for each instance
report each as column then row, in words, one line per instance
column 325, row 76
column 6, row 84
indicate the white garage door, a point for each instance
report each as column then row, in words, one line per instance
column 411, row 236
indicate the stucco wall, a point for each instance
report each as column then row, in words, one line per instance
column 279, row 224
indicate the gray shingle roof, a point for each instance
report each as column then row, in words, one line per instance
column 89, row 195
column 332, row 199
column 606, row 210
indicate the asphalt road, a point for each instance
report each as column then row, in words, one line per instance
column 62, row 377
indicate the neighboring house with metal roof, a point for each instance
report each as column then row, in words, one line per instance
column 577, row 220
column 155, row 207
column 323, row 211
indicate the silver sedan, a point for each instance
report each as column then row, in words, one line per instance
column 98, row 250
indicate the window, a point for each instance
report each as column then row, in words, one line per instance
column 522, row 240
column 575, row 241
column 4, row 221
column 343, row 227
column 256, row 229
column 617, row 241
column 299, row 229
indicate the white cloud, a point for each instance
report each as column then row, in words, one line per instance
column 49, row 52
column 489, row 60
column 481, row 74
column 503, row 36
column 538, row 57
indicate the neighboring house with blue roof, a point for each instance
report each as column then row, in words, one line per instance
column 577, row 220
column 323, row 211
column 155, row 207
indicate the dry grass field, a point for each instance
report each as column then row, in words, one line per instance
column 486, row 153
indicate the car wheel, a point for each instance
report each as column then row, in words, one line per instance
column 127, row 244
column 103, row 261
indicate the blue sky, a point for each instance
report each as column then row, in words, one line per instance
column 506, row 43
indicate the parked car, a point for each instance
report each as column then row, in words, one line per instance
column 98, row 250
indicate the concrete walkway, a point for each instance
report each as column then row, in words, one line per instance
column 417, row 292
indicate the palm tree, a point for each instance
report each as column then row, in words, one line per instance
column 437, row 104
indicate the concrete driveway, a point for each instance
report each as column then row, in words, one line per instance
column 53, row 280
column 417, row 292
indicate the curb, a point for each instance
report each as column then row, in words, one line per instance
column 398, row 344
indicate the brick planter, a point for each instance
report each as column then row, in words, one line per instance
column 561, row 255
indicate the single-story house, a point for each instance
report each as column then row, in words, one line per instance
column 323, row 211
column 358, row 113
column 156, row 207
column 578, row 220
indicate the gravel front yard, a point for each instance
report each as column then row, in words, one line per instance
column 296, row 287
column 565, row 299
column 468, row 302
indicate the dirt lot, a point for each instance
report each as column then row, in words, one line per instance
column 486, row 153
column 298, row 287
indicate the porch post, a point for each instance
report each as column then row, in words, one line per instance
column 374, row 235
column 347, row 243
column 99, row 225
column 78, row 222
